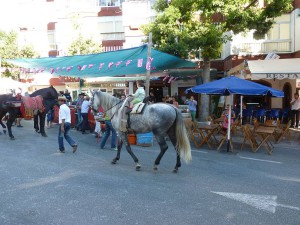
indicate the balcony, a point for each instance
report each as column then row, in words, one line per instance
column 263, row 47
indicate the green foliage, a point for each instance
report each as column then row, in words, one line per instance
column 183, row 27
column 82, row 46
column 9, row 50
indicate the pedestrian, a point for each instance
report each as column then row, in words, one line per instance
column 192, row 107
column 68, row 96
column 152, row 98
column 64, row 120
column 109, row 129
column 175, row 102
column 84, row 113
column 50, row 117
column 295, row 107
column 78, row 110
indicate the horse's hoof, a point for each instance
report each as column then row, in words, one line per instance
column 138, row 167
column 175, row 170
column 155, row 168
column 44, row 135
column 12, row 138
column 114, row 161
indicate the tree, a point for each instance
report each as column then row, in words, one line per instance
column 9, row 50
column 185, row 27
column 81, row 46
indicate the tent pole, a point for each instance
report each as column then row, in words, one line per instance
column 229, row 122
column 241, row 109
column 148, row 71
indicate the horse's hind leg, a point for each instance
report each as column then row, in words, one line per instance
column 2, row 124
column 9, row 124
column 172, row 137
column 42, row 116
column 163, row 148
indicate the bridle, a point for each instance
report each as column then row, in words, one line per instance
column 95, row 111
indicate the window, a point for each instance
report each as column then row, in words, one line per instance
column 51, row 40
column 281, row 29
column 110, row 2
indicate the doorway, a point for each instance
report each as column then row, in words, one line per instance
column 287, row 89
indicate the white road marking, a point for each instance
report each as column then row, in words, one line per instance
column 264, row 202
column 262, row 160
column 48, row 180
column 200, row 151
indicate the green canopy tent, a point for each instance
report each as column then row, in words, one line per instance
column 123, row 62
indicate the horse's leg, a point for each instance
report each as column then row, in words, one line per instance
column 128, row 148
column 163, row 148
column 36, row 122
column 172, row 136
column 120, row 144
column 1, row 122
column 42, row 116
column 9, row 123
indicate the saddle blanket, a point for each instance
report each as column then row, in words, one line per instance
column 34, row 103
column 138, row 108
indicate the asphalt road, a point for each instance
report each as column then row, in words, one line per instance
column 41, row 186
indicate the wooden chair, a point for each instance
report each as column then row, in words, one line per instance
column 194, row 133
column 282, row 131
column 224, row 138
column 249, row 136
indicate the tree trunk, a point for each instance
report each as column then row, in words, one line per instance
column 204, row 105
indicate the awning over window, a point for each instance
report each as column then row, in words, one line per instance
column 269, row 69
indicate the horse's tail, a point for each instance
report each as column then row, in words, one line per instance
column 183, row 143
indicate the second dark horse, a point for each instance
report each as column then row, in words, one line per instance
column 49, row 95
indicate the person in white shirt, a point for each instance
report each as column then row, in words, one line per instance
column 295, row 107
column 64, row 125
column 84, row 113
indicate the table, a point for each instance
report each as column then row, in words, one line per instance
column 207, row 133
column 219, row 120
column 264, row 133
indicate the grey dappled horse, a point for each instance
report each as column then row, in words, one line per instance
column 160, row 118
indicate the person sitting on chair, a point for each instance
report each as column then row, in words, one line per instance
column 139, row 95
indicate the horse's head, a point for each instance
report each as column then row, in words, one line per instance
column 95, row 102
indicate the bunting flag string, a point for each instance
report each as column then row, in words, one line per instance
column 110, row 65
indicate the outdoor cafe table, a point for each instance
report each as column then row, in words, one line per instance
column 207, row 133
column 264, row 133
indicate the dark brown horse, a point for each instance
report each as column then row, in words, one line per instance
column 9, row 104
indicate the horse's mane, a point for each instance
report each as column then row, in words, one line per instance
column 107, row 101
column 46, row 92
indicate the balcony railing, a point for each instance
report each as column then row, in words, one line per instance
column 264, row 47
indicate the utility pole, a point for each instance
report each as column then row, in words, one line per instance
column 149, row 69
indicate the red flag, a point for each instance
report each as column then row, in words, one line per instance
column 83, row 67
column 148, row 65
column 118, row 63
column 128, row 62
column 101, row 65
column 91, row 65
column 79, row 68
column 110, row 65
column 69, row 68
column 140, row 63
column 51, row 70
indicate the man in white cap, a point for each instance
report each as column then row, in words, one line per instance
column 64, row 125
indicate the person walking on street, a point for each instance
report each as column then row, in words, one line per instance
column 64, row 125
column 84, row 113
column 78, row 109
column 295, row 107
column 109, row 128
column 192, row 107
